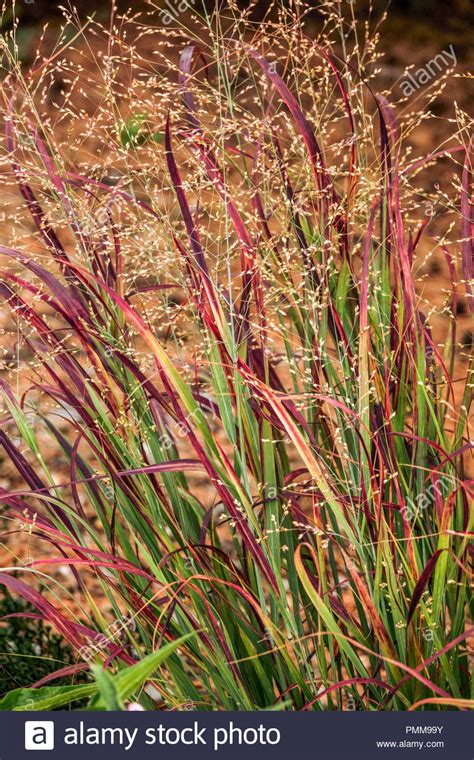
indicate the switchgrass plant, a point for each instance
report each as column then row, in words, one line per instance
column 262, row 445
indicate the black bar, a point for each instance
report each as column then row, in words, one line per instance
column 256, row 735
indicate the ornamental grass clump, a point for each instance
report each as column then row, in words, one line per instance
column 262, row 448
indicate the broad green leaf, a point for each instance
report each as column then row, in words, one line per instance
column 128, row 681
column 45, row 698
column 107, row 689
